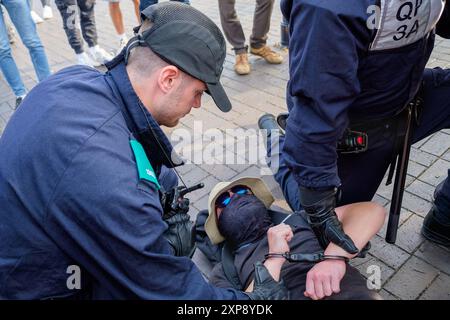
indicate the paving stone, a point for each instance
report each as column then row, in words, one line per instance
column 408, row 236
column 369, row 261
column 437, row 145
column 6, row 115
column 387, row 296
column 404, row 215
column 4, row 107
column 435, row 255
column 421, row 189
column 390, row 254
column 209, row 183
column 415, row 204
column 446, row 156
column 415, row 169
column 195, row 176
column 380, row 200
column 184, row 169
column 422, row 157
column 436, row 173
column 439, row 289
column 200, row 204
column 411, row 279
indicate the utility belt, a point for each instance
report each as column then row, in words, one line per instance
column 401, row 126
column 356, row 137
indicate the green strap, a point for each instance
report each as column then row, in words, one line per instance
column 145, row 169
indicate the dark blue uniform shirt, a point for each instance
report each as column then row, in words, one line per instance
column 342, row 70
column 70, row 195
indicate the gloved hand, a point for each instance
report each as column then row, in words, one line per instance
column 265, row 287
column 181, row 234
column 319, row 207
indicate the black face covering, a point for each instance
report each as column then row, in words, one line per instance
column 244, row 220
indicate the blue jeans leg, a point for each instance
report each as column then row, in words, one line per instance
column 281, row 173
column 19, row 12
column 167, row 179
column 7, row 63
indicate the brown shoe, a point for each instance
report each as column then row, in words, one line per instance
column 242, row 66
column 268, row 54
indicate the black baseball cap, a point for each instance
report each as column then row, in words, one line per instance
column 183, row 36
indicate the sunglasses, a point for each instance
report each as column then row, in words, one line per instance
column 224, row 199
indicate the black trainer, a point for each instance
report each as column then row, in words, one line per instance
column 282, row 120
column 432, row 228
column 267, row 121
column 18, row 102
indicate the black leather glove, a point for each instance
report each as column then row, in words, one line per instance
column 319, row 207
column 181, row 234
column 265, row 287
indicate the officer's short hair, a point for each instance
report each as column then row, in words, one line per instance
column 142, row 59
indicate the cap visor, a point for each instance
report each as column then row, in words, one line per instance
column 219, row 96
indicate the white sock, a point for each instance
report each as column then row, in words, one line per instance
column 123, row 37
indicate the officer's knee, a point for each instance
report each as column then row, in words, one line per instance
column 168, row 178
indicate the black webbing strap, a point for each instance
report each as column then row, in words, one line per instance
column 229, row 269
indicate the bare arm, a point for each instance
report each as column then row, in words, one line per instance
column 361, row 221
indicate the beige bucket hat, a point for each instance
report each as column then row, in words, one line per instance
column 259, row 189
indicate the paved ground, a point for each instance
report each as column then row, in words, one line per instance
column 411, row 269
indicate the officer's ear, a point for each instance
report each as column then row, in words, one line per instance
column 169, row 78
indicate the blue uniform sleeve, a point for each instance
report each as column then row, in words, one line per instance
column 109, row 223
column 326, row 41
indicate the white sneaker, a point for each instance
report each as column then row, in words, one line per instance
column 99, row 55
column 84, row 60
column 47, row 13
column 35, row 17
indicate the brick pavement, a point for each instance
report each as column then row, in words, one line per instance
column 412, row 269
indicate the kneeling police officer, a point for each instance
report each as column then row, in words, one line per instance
column 83, row 163
column 358, row 68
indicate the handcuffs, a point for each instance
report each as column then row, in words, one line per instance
column 306, row 257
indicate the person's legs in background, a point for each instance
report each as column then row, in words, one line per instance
column 235, row 35
column 67, row 9
column 136, row 4
column 275, row 160
column 36, row 18
column 117, row 19
column 89, row 31
column 19, row 12
column 47, row 12
column 8, row 65
column 261, row 26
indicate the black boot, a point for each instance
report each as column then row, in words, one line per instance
column 282, row 120
column 433, row 229
column 267, row 121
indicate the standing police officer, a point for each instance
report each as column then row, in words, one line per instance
column 82, row 163
column 353, row 69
